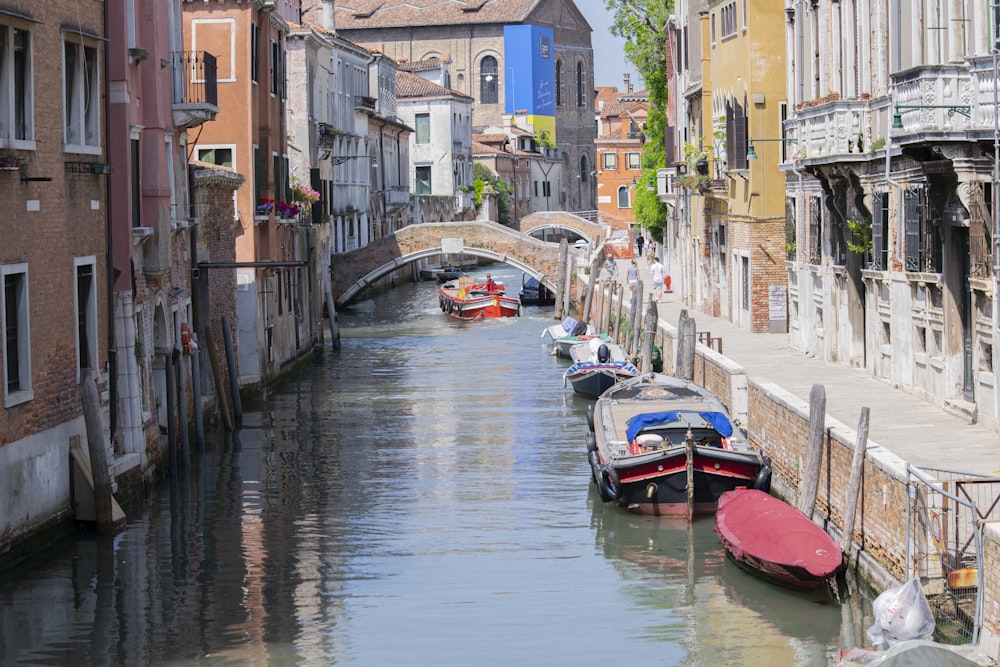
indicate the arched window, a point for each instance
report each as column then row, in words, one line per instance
column 488, row 84
column 559, row 83
column 584, row 172
column 581, row 98
column 623, row 197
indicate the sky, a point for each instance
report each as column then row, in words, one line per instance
column 609, row 51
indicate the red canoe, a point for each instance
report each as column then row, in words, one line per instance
column 770, row 538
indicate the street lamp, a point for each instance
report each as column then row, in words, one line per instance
column 897, row 118
column 752, row 154
column 341, row 159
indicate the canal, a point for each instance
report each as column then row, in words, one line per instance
column 420, row 497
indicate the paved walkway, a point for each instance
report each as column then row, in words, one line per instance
column 909, row 427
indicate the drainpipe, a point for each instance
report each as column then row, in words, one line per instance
column 110, row 269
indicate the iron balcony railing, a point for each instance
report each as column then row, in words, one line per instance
column 195, row 80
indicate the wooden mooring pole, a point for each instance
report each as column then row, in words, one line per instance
column 814, row 455
column 854, row 483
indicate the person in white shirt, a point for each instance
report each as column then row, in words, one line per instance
column 658, row 273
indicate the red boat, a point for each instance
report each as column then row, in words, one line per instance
column 468, row 300
column 772, row 539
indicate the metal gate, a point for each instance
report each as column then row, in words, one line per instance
column 945, row 511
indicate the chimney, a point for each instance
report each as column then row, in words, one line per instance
column 326, row 15
column 628, row 82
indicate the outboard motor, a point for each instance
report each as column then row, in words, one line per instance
column 603, row 354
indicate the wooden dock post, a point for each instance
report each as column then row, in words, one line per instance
column 686, row 342
column 854, row 482
column 220, row 390
column 689, row 453
column 652, row 316
column 562, row 277
column 814, row 456
column 234, row 385
column 595, row 268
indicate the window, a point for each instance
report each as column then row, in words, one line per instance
column 16, row 349
column 745, row 282
column 86, row 314
column 423, row 180
column 623, row 197
column 727, row 14
column 136, row 183
column 559, row 83
column 489, row 90
column 880, row 231
column 546, row 189
column 611, row 161
column 16, row 117
column 633, row 160
column 254, row 53
column 82, row 88
column 218, row 155
column 922, row 237
column 736, row 135
column 581, row 97
column 422, row 123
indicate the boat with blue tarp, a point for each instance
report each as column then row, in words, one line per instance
column 653, row 436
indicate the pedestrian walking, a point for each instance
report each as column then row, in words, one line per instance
column 633, row 276
column 651, row 250
column 658, row 273
column 609, row 266
column 639, row 242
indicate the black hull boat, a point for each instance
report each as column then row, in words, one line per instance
column 650, row 434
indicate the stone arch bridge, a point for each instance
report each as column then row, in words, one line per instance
column 354, row 271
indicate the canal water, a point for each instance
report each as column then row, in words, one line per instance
column 421, row 497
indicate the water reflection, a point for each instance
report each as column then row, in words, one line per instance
column 422, row 496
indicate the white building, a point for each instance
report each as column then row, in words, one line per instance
column 890, row 194
column 441, row 143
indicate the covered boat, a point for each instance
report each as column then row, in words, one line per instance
column 644, row 431
column 597, row 366
column 772, row 539
column 469, row 300
column 534, row 293
column 569, row 333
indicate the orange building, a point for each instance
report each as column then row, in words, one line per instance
column 621, row 120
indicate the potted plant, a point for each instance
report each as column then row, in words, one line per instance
column 9, row 160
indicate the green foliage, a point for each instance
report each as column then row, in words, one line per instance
column 486, row 178
column 544, row 140
column 643, row 24
column 860, row 239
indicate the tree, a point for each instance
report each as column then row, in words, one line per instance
column 643, row 24
column 484, row 177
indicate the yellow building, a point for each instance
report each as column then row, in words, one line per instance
column 731, row 118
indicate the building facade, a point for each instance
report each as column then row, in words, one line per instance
column 488, row 45
column 891, row 195
column 621, row 124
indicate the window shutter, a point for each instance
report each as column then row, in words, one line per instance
column 878, row 240
column 911, row 229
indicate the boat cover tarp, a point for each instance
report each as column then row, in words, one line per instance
column 637, row 423
column 754, row 523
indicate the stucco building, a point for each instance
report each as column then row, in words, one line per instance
column 531, row 56
column 891, row 196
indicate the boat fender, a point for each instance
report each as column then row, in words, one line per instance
column 458, row 309
column 599, row 478
column 590, row 417
column 591, row 442
column 610, row 477
column 595, row 466
column 519, row 311
column 762, row 482
column 451, row 306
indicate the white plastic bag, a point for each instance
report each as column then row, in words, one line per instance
column 901, row 613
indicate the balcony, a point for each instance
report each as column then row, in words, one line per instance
column 364, row 102
column 943, row 95
column 194, row 88
column 397, row 196
column 831, row 129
